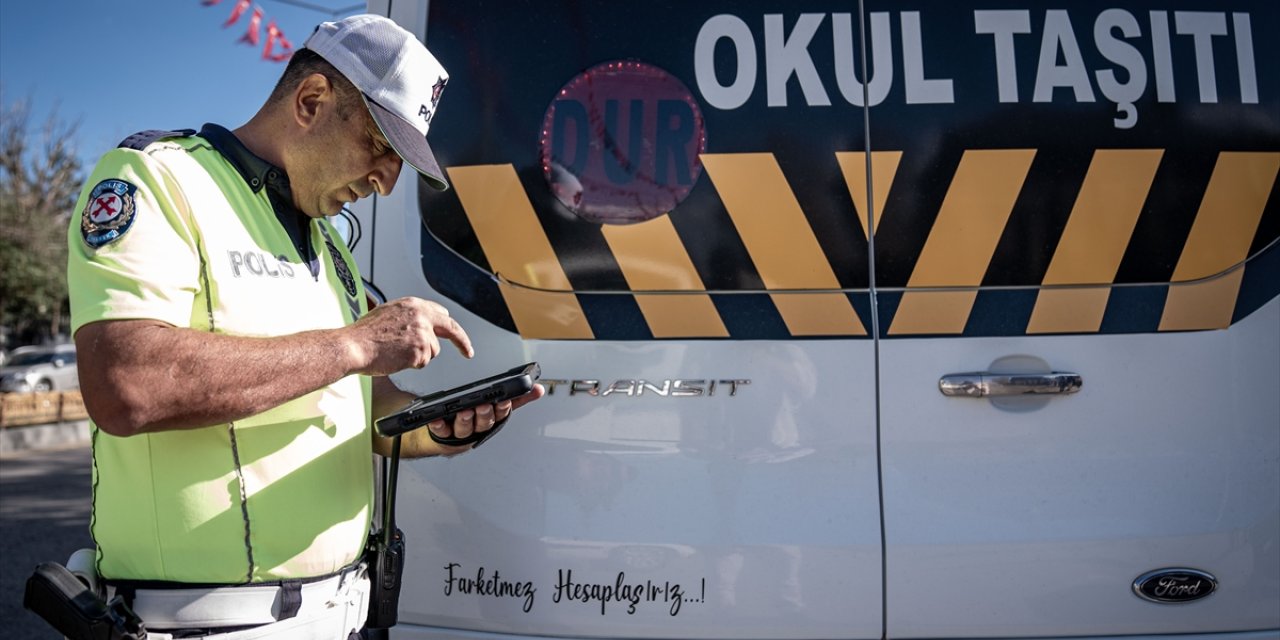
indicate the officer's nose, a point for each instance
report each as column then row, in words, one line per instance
column 384, row 175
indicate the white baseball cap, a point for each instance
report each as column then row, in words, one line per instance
column 399, row 79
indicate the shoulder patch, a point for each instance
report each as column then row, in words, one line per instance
column 140, row 140
column 109, row 212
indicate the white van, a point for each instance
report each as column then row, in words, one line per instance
column 1012, row 373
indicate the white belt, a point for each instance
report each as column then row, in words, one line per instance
column 188, row 608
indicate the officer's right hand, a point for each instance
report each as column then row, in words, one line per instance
column 401, row 334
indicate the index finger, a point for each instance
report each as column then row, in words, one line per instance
column 454, row 332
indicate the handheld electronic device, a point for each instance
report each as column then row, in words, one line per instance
column 444, row 404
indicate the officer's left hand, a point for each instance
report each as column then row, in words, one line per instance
column 480, row 419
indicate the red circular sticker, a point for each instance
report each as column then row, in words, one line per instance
column 621, row 143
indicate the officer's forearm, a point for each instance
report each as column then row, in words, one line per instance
column 414, row 444
column 387, row 399
column 140, row 376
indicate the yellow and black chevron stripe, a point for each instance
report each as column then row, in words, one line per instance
column 981, row 242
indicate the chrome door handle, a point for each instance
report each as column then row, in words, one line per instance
column 980, row 384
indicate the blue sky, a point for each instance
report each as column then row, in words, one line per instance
column 121, row 66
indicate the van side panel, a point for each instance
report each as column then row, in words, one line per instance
column 617, row 507
column 657, row 491
column 1084, row 188
column 1041, row 514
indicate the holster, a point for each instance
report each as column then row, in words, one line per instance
column 67, row 604
column 385, row 551
column 386, row 568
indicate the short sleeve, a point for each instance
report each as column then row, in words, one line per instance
column 131, row 254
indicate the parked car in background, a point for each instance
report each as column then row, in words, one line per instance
column 47, row 368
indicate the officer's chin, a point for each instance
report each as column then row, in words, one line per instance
column 329, row 210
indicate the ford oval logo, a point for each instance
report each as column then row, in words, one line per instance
column 1171, row 586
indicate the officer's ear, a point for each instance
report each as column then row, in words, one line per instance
column 313, row 95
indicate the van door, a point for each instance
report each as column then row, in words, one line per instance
column 632, row 209
column 1077, row 276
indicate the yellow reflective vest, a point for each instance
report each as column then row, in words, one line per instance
column 280, row 495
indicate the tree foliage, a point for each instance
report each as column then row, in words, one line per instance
column 40, row 179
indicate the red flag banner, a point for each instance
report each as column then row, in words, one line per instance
column 277, row 49
column 255, row 25
column 276, row 37
column 236, row 12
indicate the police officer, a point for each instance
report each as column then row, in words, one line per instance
column 228, row 359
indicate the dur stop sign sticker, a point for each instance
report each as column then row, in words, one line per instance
column 620, row 143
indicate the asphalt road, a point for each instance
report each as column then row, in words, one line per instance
column 44, row 515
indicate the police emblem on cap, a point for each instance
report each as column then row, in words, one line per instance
column 436, row 90
column 109, row 213
column 427, row 112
